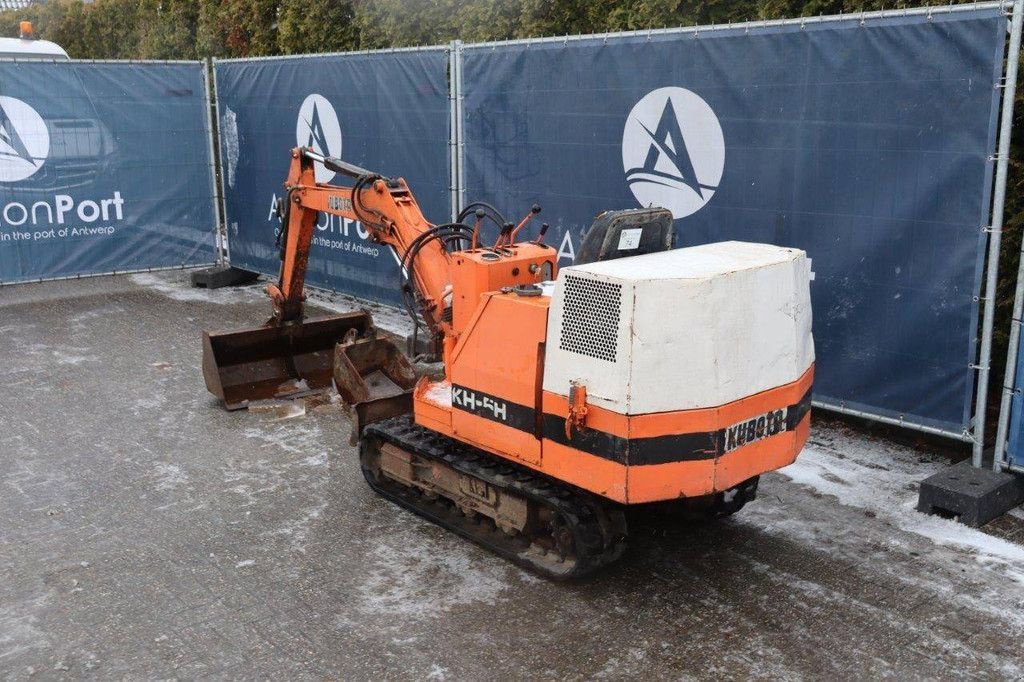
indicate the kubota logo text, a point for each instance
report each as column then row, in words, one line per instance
column 673, row 151
column 24, row 140
column 318, row 127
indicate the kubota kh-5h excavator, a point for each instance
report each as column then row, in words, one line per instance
column 638, row 375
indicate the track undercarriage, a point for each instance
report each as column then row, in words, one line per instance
column 552, row 529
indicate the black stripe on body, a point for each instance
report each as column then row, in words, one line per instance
column 680, row 447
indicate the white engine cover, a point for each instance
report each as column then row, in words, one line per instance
column 681, row 330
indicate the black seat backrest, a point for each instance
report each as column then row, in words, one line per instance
column 617, row 234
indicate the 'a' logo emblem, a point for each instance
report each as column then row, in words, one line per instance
column 24, row 140
column 317, row 139
column 673, row 151
column 317, row 127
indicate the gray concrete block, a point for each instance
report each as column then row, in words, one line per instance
column 220, row 276
column 971, row 495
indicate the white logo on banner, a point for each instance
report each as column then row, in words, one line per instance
column 24, row 140
column 673, row 151
column 318, row 128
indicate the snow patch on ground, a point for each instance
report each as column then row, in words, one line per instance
column 65, row 355
column 410, row 569
column 150, row 402
column 626, row 665
column 19, row 629
column 83, row 320
column 295, row 456
column 297, row 531
column 298, row 437
column 317, row 460
column 66, row 358
column 169, row 476
column 183, row 291
column 817, row 593
column 883, row 478
column 393, row 320
column 170, row 284
column 437, row 672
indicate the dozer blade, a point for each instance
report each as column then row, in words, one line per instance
column 276, row 362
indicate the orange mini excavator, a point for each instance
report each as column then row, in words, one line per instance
column 638, row 375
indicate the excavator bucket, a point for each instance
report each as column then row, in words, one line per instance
column 276, row 361
column 375, row 378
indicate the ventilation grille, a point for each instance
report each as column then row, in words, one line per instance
column 590, row 318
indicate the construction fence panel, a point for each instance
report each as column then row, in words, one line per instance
column 104, row 167
column 1015, row 441
column 868, row 142
column 385, row 111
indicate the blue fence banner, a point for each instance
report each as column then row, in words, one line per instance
column 104, row 167
column 385, row 111
column 868, row 144
column 1015, row 440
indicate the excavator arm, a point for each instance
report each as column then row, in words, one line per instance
column 290, row 356
column 387, row 210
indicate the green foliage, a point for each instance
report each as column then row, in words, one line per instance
column 316, row 26
column 166, row 28
column 186, row 29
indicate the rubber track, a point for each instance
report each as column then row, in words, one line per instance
column 598, row 526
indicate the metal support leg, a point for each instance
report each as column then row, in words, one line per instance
column 998, row 199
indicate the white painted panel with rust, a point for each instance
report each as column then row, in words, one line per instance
column 698, row 327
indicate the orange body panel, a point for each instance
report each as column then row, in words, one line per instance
column 495, row 365
column 478, row 272
column 590, row 472
column 496, row 403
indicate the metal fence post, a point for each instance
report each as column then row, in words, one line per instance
column 222, row 194
column 1010, row 375
column 212, row 122
column 460, row 123
column 995, row 236
column 453, row 129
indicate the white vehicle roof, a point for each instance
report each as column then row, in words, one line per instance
column 20, row 48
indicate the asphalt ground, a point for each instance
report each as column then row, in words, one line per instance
column 147, row 533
